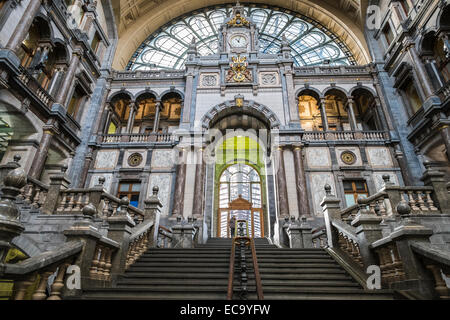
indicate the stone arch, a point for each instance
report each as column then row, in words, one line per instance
column 176, row 91
column 370, row 90
column 44, row 26
column 334, row 88
column 251, row 107
column 118, row 94
column 313, row 92
column 145, row 93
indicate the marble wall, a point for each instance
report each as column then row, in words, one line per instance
column 318, row 157
column 106, row 159
column 318, row 180
column 379, row 157
column 164, row 183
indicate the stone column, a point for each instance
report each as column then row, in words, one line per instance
column 157, row 116
column 188, row 99
column 86, row 166
column 197, row 208
column 402, row 161
column 68, row 79
column 106, row 119
column 281, row 183
column 351, row 114
column 323, row 114
column 21, row 30
column 420, row 69
column 445, row 133
column 41, row 155
column 302, row 193
column 178, row 204
column 131, row 117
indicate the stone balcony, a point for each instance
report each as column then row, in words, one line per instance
column 164, row 138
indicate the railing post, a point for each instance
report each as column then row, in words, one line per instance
column 331, row 211
column 10, row 226
column 306, row 231
column 120, row 226
column 183, row 235
column 6, row 168
column 86, row 232
column 393, row 194
column 436, row 179
column 417, row 277
column 294, row 233
column 152, row 212
column 95, row 194
column 368, row 230
column 58, row 182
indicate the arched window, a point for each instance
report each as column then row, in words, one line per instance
column 311, row 43
column 240, row 183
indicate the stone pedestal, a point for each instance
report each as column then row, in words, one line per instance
column 368, row 230
column 58, row 182
column 183, row 236
column 331, row 211
column 152, row 212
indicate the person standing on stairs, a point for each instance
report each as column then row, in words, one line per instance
column 232, row 226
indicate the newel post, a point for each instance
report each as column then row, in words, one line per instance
column 86, row 232
column 120, row 231
column 6, row 168
column 58, row 182
column 436, row 179
column 95, row 194
column 368, row 230
column 393, row 194
column 331, row 211
column 183, row 234
column 10, row 226
column 152, row 212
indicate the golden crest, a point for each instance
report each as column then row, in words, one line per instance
column 239, row 70
column 238, row 21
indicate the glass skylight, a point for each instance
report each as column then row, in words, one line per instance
column 311, row 43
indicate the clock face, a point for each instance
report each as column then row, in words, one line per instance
column 238, row 41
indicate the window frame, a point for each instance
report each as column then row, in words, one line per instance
column 354, row 190
column 129, row 193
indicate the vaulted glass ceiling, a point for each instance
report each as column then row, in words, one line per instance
column 311, row 43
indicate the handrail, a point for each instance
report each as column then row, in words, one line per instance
column 345, row 229
column 259, row 289
column 432, row 252
column 43, row 260
column 141, row 229
column 231, row 270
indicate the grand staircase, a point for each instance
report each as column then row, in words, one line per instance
column 201, row 273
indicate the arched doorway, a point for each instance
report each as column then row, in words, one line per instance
column 240, row 196
column 240, row 185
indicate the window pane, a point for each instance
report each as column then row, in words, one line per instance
column 124, row 187
column 136, row 187
column 310, row 41
column 350, row 199
column 134, row 201
column 348, row 186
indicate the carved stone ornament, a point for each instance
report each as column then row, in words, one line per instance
column 348, row 157
column 135, row 160
column 209, row 80
column 239, row 71
column 238, row 21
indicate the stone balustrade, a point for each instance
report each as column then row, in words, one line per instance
column 32, row 84
column 139, row 243
column 345, row 136
column 390, row 264
column 319, row 239
column 34, row 192
column 102, row 262
column 139, row 138
column 165, row 236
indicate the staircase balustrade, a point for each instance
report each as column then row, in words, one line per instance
column 362, row 234
column 165, row 236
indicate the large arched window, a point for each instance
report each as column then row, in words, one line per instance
column 240, row 183
column 311, row 43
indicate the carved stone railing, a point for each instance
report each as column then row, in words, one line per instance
column 391, row 229
column 139, row 138
column 139, row 242
column 101, row 265
column 34, row 193
column 143, row 75
column 331, row 70
column 31, row 83
column 319, row 238
column 345, row 136
column 165, row 237
column 33, row 273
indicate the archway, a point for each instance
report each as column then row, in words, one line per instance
column 240, row 184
